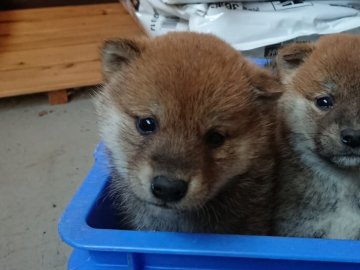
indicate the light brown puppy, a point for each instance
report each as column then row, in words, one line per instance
column 319, row 190
column 188, row 125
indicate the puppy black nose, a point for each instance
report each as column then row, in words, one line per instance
column 350, row 137
column 168, row 190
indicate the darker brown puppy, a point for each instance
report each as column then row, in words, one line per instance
column 188, row 123
column 319, row 191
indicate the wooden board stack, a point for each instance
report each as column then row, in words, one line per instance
column 53, row 49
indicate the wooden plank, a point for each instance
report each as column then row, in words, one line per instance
column 45, row 14
column 58, row 97
column 48, row 49
column 58, row 25
column 16, row 60
column 82, row 36
column 60, row 31
column 54, row 77
column 21, row 4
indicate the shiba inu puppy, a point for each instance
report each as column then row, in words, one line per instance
column 188, row 124
column 319, row 189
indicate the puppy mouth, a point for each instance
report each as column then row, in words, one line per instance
column 342, row 159
column 163, row 205
column 348, row 161
column 160, row 205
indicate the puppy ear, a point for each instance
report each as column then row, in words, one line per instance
column 116, row 54
column 291, row 57
column 266, row 86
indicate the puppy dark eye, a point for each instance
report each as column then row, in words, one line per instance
column 325, row 103
column 146, row 126
column 214, row 139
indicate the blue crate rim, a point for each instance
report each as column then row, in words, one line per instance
column 264, row 247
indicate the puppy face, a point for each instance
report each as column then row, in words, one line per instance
column 322, row 99
column 182, row 116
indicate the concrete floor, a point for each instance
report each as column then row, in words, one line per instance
column 45, row 153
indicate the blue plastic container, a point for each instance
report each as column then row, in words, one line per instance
column 88, row 222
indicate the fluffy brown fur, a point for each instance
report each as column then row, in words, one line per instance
column 193, row 86
column 319, row 191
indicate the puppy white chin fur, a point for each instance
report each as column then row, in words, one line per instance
column 347, row 161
